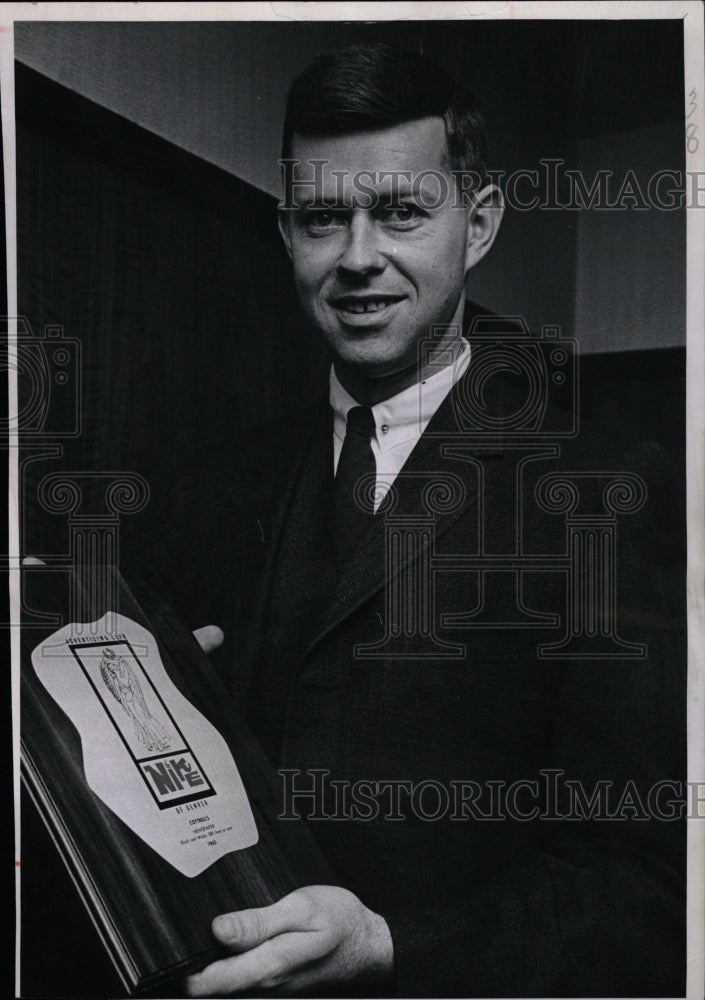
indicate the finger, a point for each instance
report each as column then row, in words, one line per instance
column 33, row 561
column 245, row 929
column 209, row 637
column 269, row 966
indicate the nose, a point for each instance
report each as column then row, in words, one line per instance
column 362, row 255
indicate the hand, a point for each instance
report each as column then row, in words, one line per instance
column 209, row 637
column 315, row 936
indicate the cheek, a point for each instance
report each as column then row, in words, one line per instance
column 308, row 285
column 440, row 278
column 305, row 267
column 313, row 262
column 450, row 246
column 450, row 269
column 437, row 257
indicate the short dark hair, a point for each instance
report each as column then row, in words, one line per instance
column 375, row 86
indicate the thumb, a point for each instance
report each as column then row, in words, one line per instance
column 245, row 929
column 209, row 637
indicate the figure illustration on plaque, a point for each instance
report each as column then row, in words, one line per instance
column 124, row 685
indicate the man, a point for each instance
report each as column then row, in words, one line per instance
column 382, row 227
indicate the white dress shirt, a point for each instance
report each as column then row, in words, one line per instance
column 399, row 421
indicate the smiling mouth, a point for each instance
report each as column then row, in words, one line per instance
column 357, row 305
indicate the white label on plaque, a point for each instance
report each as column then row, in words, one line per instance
column 148, row 753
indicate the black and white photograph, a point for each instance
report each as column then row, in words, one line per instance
column 356, row 451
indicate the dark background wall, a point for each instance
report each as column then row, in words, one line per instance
column 170, row 275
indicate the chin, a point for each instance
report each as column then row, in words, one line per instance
column 374, row 365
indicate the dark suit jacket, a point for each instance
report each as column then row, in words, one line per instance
column 476, row 907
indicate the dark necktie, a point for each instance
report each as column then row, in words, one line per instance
column 351, row 509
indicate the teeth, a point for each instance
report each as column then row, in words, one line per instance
column 363, row 307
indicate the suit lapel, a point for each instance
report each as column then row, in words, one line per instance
column 368, row 570
column 305, row 572
column 272, row 499
column 302, row 503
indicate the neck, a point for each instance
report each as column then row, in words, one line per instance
column 370, row 389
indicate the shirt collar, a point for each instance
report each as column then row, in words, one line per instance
column 407, row 414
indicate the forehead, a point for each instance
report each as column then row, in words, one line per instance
column 409, row 148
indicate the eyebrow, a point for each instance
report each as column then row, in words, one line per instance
column 316, row 201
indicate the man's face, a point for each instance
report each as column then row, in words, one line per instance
column 374, row 278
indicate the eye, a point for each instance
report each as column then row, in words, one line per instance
column 403, row 214
column 323, row 219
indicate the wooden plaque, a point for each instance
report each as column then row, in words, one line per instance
column 160, row 802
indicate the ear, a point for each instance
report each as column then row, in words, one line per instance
column 284, row 220
column 485, row 214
